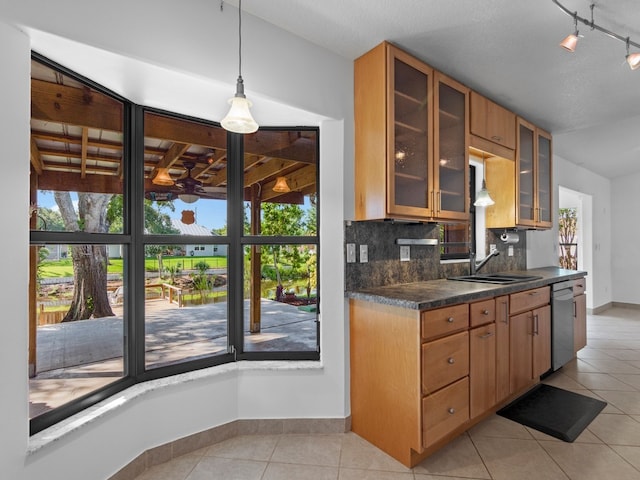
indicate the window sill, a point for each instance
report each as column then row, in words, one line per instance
column 455, row 260
column 78, row 421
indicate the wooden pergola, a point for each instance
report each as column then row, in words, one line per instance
column 77, row 145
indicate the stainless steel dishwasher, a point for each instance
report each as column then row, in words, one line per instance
column 561, row 324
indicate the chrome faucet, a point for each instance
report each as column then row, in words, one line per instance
column 475, row 266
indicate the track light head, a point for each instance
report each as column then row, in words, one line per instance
column 570, row 42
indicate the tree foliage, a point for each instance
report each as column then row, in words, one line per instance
column 568, row 230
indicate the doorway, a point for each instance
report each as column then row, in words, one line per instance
column 577, row 207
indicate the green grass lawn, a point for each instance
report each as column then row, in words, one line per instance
column 64, row 268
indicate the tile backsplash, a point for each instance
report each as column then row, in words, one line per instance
column 385, row 268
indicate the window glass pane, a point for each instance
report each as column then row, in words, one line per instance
column 280, row 182
column 76, row 322
column 185, row 166
column 280, row 291
column 185, row 302
column 454, row 240
column 76, row 155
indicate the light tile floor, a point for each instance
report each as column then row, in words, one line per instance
column 609, row 368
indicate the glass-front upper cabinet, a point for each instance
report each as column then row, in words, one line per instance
column 525, row 185
column 544, row 180
column 451, row 149
column 410, row 125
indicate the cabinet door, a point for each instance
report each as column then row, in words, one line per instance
column 541, row 341
column 520, row 351
column 409, row 130
column 451, row 172
column 543, row 180
column 579, row 322
column 525, row 179
column 502, row 348
column 482, row 369
column 492, row 122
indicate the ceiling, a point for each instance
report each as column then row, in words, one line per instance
column 507, row 50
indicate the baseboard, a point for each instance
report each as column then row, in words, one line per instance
column 211, row 436
column 632, row 306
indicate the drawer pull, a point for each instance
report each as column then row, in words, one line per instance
column 451, row 411
column 497, row 138
column 450, row 319
column 487, row 335
column 534, row 293
column 451, row 361
column 485, row 312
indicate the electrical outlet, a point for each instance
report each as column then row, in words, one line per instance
column 492, row 247
column 510, row 251
column 351, row 253
column 364, row 253
column 405, row 253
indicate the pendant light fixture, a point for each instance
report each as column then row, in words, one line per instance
column 483, row 199
column 281, row 185
column 162, row 177
column 239, row 119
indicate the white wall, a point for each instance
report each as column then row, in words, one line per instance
column 625, row 260
column 14, row 136
column 141, row 51
column 542, row 247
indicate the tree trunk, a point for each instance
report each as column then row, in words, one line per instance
column 89, row 283
column 90, row 297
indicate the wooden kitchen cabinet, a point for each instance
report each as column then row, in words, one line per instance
column 579, row 315
column 502, row 348
column 523, row 187
column 530, row 337
column 492, row 127
column 421, row 378
column 411, row 139
column 482, row 370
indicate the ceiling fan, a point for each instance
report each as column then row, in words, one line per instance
column 191, row 189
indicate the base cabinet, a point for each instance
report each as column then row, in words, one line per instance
column 421, row 378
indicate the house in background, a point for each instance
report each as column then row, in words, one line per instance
column 199, row 250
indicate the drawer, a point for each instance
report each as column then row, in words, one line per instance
column 528, row 300
column 482, row 312
column 444, row 361
column 579, row 286
column 443, row 321
column 444, row 411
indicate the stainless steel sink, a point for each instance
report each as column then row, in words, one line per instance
column 499, row 278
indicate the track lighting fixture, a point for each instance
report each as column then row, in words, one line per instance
column 570, row 42
column 483, row 199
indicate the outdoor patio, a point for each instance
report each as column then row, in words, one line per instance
column 78, row 357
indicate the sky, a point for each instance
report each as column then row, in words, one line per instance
column 211, row 214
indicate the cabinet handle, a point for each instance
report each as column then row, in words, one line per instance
column 486, row 335
column 450, row 320
column 497, row 138
column 439, row 200
column 451, row 410
column 451, row 361
column 506, row 313
column 575, row 310
column 534, row 293
column 485, row 312
column 535, row 325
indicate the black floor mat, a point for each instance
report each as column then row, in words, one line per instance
column 554, row 411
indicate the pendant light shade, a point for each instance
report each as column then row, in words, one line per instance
column 483, row 199
column 239, row 118
column 570, row 42
column 188, row 197
column 281, row 185
column 162, row 177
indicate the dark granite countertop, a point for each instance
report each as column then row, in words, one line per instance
column 438, row 293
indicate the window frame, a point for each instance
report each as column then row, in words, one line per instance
column 133, row 240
